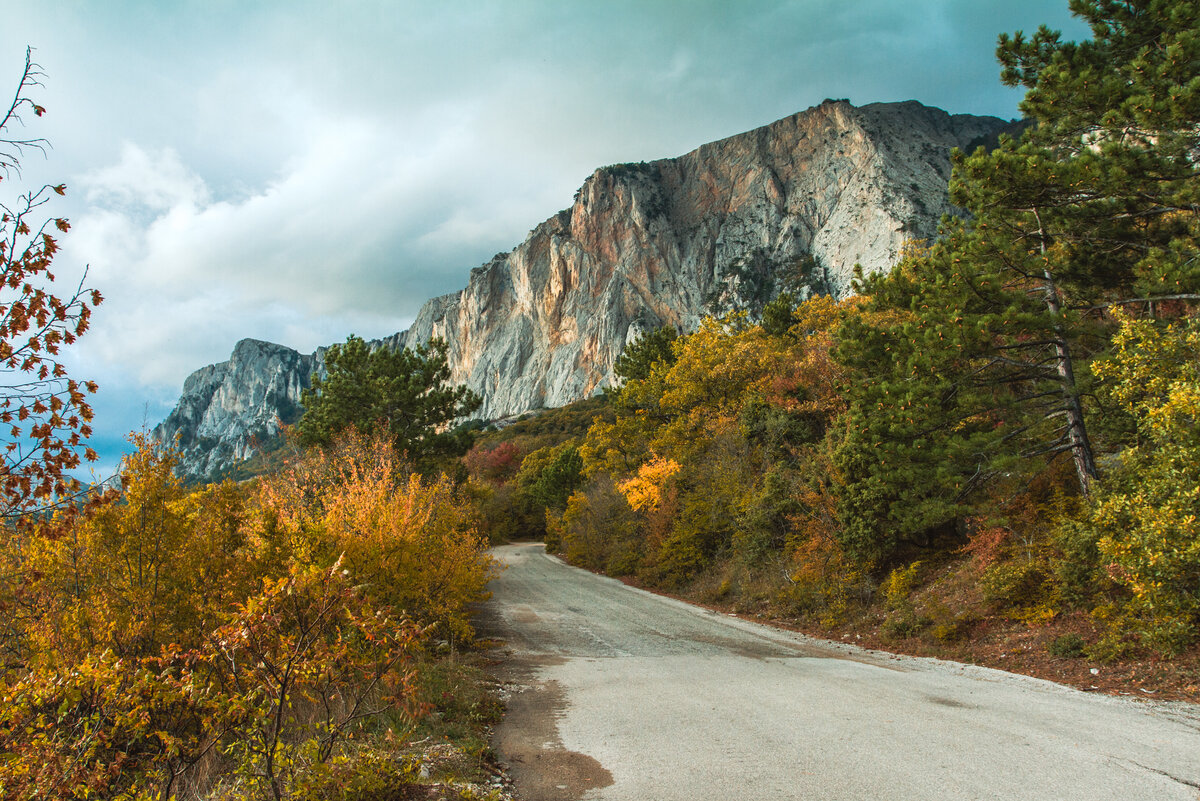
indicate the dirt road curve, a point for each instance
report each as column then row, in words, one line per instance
column 620, row 694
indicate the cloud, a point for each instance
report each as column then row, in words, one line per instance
column 150, row 181
column 355, row 227
column 297, row 171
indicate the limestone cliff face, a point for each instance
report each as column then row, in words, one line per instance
column 226, row 410
column 799, row 201
column 795, row 204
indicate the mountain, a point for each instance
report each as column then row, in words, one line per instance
column 792, row 205
column 229, row 409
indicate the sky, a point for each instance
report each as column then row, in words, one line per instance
column 298, row 171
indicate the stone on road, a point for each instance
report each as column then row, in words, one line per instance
column 621, row 694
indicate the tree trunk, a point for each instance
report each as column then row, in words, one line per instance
column 1077, row 436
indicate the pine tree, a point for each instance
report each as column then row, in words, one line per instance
column 1100, row 202
column 977, row 353
column 406, row 391
column 640, row 356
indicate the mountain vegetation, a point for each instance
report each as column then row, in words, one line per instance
column 1001, row 427
column 290, row 636
column 791, row 206
column 405, row 390
column 272, row 639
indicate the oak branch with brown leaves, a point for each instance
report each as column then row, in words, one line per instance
column 44, row 414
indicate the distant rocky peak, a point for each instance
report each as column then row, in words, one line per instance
column 792, row 206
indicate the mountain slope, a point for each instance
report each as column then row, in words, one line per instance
column 794, row 204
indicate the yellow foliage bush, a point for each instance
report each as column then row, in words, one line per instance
column 413, row 542
column 1146, row 518
column 899, row 584
column 644, row 492
column 155, row 566
column 250, row 626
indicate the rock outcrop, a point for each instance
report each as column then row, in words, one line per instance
column 795, row 204
column 228, row 410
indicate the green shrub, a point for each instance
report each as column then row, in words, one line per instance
column 1077, row 569
column 899, row 584
column 1011, row 585
column 947, row 632
column 598, row 530
column 904, row 624
column 1067, row 646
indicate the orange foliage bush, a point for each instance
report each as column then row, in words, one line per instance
column 153, row 566
column 273, row 692
column 248, row 628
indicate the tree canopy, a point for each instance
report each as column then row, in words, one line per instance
column 640, row 355
column 406, row 391
column 981, row 347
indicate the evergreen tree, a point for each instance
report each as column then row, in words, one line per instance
column 404, row 390
column 1100, row 202
column 640, row 356
column 977, row 352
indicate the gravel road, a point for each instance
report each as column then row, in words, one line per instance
column 620, row 694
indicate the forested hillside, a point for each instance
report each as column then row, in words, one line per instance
column 995, row 442
column 1001, row 428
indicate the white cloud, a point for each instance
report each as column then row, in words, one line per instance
column 152, row 181
column 295, row 171
column 356, row 227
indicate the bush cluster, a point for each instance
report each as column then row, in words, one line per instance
column 230, row 640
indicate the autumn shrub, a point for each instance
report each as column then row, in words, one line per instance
column 1143, row 524
column 505, row 508
column 516, row 508
column 953, row 614
column 743, row 587
column 555, row 530
column 412, row 541
column 374, row 774
column 899, row 585
column 905, row 623
column 500, row 511
column 230, row 639
column 678, row 558
column 599, row 530
column 104, row 691
column 987, row 542
column 106, row 727
column 1067, row 646
column 1078, row 567
column 672, row 553
column 152, row 566
column 496, row 463
column 1013, row 584
column 273, row 693
column 714, row 490
column 303, row 663
column 822, row 582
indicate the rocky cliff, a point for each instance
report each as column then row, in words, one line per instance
column 228, row 410
column 795, row 204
